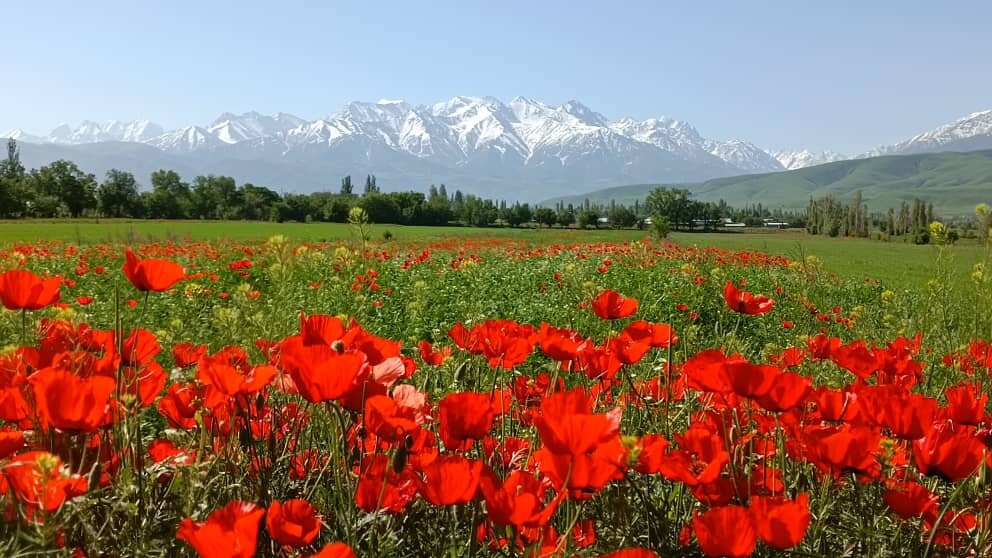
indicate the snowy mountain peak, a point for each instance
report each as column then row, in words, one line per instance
column 797, row 159
column 970, row 132
column 743, row 155
column 584, row 113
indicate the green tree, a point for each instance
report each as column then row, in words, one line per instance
column 169, row 198
column 545, row 216
column 516, row 215
column 370, row 186
column 72, row 190
column 566, row 216
column 588, row 218
column 621, row 218
column 215, row 197
column 660, row 226
column 118, row 195
column 380, row 208
column 346, row 187
column 257, row 202
column 11, row 182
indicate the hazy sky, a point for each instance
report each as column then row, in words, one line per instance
column 838, row 74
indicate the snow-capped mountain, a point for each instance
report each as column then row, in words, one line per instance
column 138, row 131
column 523, row 148
column 968, row 133
column 233, row 128
column 22, row 136
column 185, row 140
column 796, row 159
column 744, row 155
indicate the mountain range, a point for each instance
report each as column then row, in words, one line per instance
column 524, row 149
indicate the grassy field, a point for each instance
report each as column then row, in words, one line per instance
column 897, row 264
column 91, row 232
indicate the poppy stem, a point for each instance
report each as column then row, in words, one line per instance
column 24, row 326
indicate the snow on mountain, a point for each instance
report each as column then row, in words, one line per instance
column 185, row 140
column 460, row 132
column 665, row 133
column 480, row 126
column 21, row 135
column 524, row 144
column 797, row 159
column 967, row 133
column 137, row 131
column 232, row 128
column 743, row 155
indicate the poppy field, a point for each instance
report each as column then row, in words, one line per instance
column 487, row 397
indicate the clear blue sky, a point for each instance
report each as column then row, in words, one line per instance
column 843, row 75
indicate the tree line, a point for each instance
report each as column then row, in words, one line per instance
column 62, row 189
column 831, row 217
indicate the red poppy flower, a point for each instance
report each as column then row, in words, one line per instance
column 229, row 532
column 22, row 290
column 561, row 344
column 910, row 500
column 319, row 372
column 38, row 481
column 464, row 418
column 11, row 441
column 627, row 349
column 432, row 357
column 68, row 402
column 951, row 452
column 179, row 405
column 187, row 354
column 151, row 275
column 745, row 302
column 450, row 480
column 781, row 523
column 164, row 450
column 611, row 305
column 726, row 531
column 223, row 375
column 908, row 416
column 335, row 550
column 856, row 358
column 583, row 475
column 651, row 452
column 659, row 336
column 700, row 458
column 387, row 420
column 836, row 449
column 321, row 329
column 518, row 501
column 382, row 487
column 787, row 391
column 966, row 403
column 568, row 426
column 294, row 523
column 707, row 371
column 751, row 380
column 505, row 343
